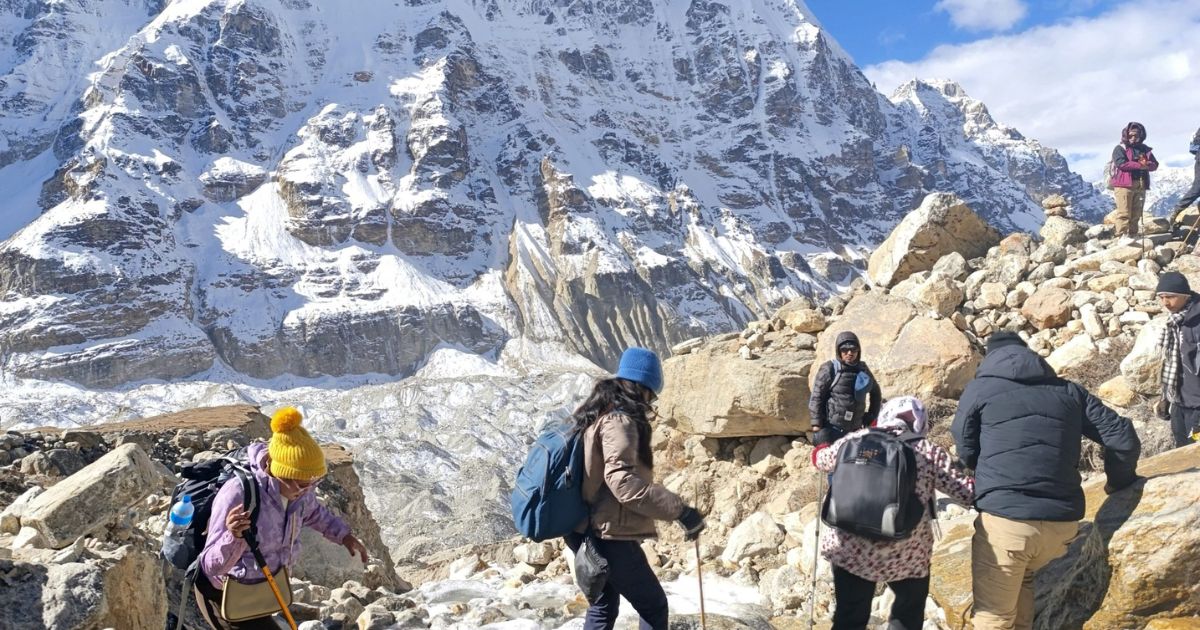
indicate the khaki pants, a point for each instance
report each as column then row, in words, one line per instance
column 1005, row 556
column 1128, row 217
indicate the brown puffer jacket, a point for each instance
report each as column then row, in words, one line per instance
column 621, row 490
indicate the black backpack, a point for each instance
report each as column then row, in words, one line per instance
column 873, row 488
column 203, row 481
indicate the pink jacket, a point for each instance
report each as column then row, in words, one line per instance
column 278, row 530
column 1123, row 174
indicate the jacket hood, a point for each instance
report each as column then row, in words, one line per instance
column 1016, row 363
column 843, row 337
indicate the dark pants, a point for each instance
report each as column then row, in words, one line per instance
column 1193, row 193
column 629, row 576
column 208, row 600
column 853, row 595
column 1183, row 423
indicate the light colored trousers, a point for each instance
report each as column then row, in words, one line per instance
column 1130, row 202
column 1005, row 556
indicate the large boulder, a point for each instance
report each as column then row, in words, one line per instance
column 1141, row 367
column 909, row 353
column 1076, row 354
column 124, row 590
column 767, row 396
column 1131, row 565
column 93, row 496
column 1049, row 307
column 941, row 225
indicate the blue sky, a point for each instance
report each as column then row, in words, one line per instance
column 1069, row 73
column 874, row 31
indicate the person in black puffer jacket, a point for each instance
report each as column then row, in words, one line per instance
column 1019, row 426
column 840, row 391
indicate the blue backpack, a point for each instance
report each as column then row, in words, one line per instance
column 547, row 497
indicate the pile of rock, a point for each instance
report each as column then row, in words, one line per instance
column 83, row 514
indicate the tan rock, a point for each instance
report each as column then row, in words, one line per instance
column 1116, row 391
column 1055, row 201
column 1049, row 307
column 92, row 497
column 764, row 397
column 1092, row 262
column 939, row 294
column 804, row 320
column 1141, row 367
column 992, row 295
column 942, row 224
column 1091, row 322
column 928, row 358
column 1125, row 569
column 1073, row 355
column 1061, row 231
column 1109, row 283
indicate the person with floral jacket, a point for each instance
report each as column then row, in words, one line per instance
column 860, row 563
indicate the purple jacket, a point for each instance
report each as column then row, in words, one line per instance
column 278, row 532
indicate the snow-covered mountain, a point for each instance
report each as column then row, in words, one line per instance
column 292, row 187
column 429, row 221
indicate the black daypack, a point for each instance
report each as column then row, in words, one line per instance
column 202, row 482
column 873, row 488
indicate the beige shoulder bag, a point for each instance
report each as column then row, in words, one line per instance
column 241, row 602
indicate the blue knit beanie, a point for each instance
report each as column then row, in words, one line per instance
column 642, row 366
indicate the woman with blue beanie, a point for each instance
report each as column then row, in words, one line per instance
column 619, row 487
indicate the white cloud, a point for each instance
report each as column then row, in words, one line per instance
column 1074, row 85
column 983, row 15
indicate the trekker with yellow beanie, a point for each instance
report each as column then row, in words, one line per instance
column 286, row 471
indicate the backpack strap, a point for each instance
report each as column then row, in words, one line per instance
column 910, row 438
column 250, row 503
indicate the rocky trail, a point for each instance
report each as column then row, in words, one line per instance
column 1082, row 299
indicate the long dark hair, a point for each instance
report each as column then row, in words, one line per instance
column 618, row 394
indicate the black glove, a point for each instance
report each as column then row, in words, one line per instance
column 1162, row 409
column 692, row 523
column 1109, row 488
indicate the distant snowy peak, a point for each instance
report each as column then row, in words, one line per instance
column 287, row 187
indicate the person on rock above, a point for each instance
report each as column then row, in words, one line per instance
column 839, row 402
column 860, row 563
column 286, row 470
column 619, row 488
column 1019, row 427
column 1180, row 402
column 1132, row 162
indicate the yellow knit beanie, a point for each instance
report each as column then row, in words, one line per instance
column 294, row 454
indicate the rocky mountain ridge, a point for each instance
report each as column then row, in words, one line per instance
column 274, row 188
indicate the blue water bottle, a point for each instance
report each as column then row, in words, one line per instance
column 181, row 512
column 178, row 546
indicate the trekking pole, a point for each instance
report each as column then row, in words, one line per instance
column 279, row 598
column 700, row 584
column 699, row 565
column 251, row 537
column 812, row 597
